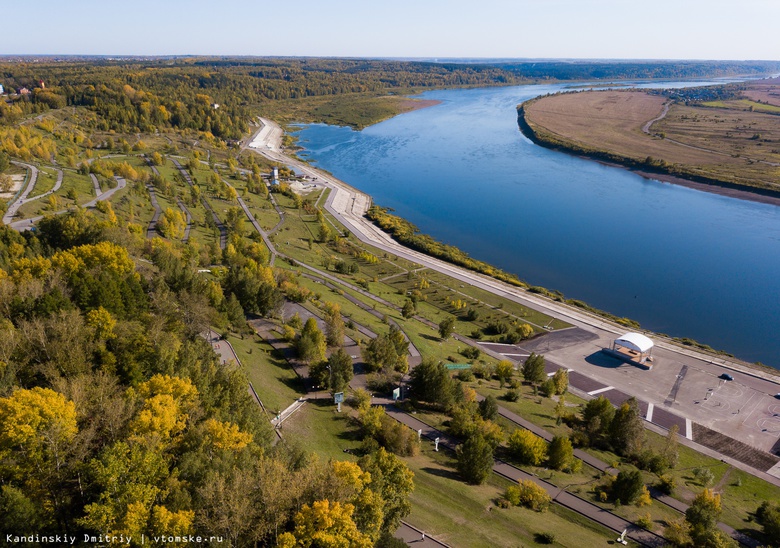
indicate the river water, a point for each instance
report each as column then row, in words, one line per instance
column 680, row 261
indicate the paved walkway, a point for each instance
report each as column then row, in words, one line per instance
column 220, row 226
column 559, row 495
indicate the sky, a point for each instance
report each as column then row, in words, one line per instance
column 583, row 29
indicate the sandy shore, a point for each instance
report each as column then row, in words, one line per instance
column 409, row 104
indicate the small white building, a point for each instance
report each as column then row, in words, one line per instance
column 2, row 89
column 634, row 347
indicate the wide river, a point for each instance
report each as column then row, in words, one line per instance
column 679, row 261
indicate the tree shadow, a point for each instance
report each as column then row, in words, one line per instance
column 442, row 473
column 430, row 337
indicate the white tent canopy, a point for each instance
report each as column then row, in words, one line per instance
column 635, row 341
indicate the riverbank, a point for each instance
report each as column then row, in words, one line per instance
column 654, row 165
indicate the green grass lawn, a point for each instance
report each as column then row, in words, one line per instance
column 466, row 515
column 275, row 382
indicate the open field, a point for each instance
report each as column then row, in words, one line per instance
column 735, row 142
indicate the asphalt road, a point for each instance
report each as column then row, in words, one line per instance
column 757, row 423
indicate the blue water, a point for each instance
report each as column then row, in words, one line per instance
column 679, row 261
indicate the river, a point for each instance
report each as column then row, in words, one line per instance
column 679, row 261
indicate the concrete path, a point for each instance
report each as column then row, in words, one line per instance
column 220, row 226
column 95, row 184
column 560, row 496
column 27, row 224
column 16, row 203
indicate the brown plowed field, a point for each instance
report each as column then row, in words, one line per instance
column 723, row 144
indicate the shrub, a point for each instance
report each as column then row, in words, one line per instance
column 544, row 538
column 666, row 484
column 704, row 476
column 645, row 521
column 465, row 375
column 529, row 495
column 512, row 395
column 470, row 352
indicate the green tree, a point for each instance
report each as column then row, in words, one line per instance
column 596, row 418
column 488, row 408
column 341, row 371
column 447, row 327
column 311, row 343
column 408, row 309
column 627, row 431
column 533, row 369
column 392, row 480
column 431, row 382
column 527, row 447
column 560, row 454
column 475, row 459
column 627, row 487
column 768, row 516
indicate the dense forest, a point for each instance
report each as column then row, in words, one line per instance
column 116, row 417
column 219, row 95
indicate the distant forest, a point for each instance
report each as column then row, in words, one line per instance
column 219, row 95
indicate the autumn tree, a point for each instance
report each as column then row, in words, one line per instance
column 504, row 371
column 334, row 325
column 326, row 525
column 527, row 447
column 560, row 453
column 393, row 482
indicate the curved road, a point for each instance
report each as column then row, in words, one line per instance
column 754, row 387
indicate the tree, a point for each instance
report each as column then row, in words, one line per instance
column 334, row 325
column 341, row 371
column 627, row 487
column 387, row 351
column 527, row 447
column 561, row 380
column 408, row 309
column 626, row 431
column 596, row 417
column 768, row 516
column 325, row 524
column 446, row 327
column 311, row 343
column 392, row 480
column 704, row 511
column 504, row 371
column 528, row 494
column 488, row 408
column 475, row 459
column 670, row 452
column 560, row 454
column 431, row 382
column 702, row 516
column 533, row 369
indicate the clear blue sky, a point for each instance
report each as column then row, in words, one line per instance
column 655, row 29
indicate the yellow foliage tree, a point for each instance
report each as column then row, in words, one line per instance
column 102, row 322
column 325, row 525
column 226, row 435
